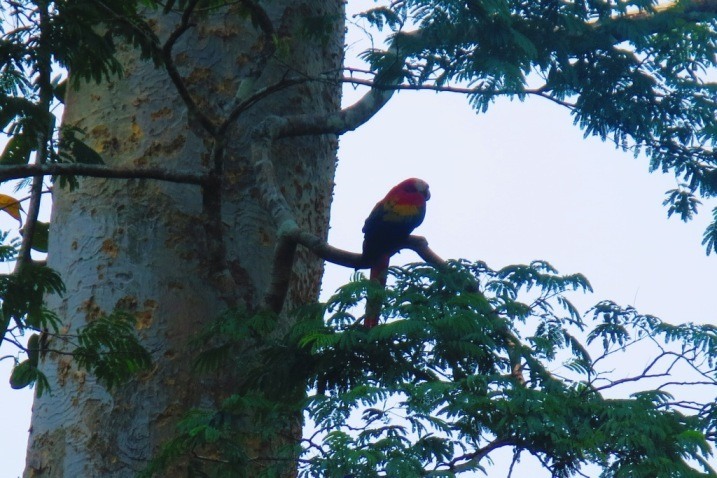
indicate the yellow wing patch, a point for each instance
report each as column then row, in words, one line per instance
column 400, row 212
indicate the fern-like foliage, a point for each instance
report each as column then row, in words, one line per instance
column 109, row 349
column 469, row 360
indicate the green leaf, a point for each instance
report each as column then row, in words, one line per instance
column 75, row 150
column 24, row 295
column 709, row 238
column 33, row 349
column 23, row 375
column 40, row 236
column 18, row 149
column 683, row 202
column 12, row 108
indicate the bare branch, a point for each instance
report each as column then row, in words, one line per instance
column 166, row 49
column 437, row 88
column 292, row 236
column 270, row 195
column 275, row 203
column 351, row 117
column 44, row 136
column 244, row 103
column 645, row 374
column 100, row 171
column 336, row 123
column 469, row 461
column 184, row 25
column 213, row 226
column 686, row 384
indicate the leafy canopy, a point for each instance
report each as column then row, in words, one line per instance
column 457, row 373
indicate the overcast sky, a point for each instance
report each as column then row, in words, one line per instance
column 512, row 185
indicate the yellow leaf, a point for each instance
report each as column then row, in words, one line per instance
column 11, row 206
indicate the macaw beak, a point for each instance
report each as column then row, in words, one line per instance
column 427, row 194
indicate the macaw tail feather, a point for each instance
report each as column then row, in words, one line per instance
column 373, row 303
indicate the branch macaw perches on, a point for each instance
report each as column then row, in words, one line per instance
column 290, row 236
column 288, row 232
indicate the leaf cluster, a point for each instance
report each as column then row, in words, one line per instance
column 467, row 363
column 22, row 295
column 107, row 347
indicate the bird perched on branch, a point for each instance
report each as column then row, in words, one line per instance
column 388, row 226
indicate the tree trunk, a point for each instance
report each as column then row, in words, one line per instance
column 142, row 245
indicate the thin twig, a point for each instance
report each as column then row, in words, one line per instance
column 469, row 461
column 645, row 374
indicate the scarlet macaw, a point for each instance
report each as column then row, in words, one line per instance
column 388, row 226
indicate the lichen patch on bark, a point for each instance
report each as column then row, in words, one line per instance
column 91, row 309
column 64, row 366
column 145, row 316
column 161, row 113
column 51, row 454
column 110, row 248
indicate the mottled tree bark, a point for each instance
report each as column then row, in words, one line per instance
column 144, row 245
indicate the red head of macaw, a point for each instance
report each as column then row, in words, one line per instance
column 388, row 226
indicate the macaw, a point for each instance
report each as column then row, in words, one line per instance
column 386, row 229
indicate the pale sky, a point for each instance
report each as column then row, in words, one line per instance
column 512, row 185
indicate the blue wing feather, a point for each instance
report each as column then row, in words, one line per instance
column 387, row 227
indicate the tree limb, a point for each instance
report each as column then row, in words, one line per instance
column 166, row 49
column 262, row 138
column 660, row 20
column 338, row 123
column 470, row 460
column 351, row 117
column 286, row 247
column 260, row 18
column 44, row 135
column 100, row 171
